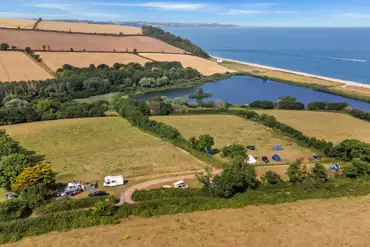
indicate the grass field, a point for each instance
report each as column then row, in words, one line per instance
column 56, row 60
column 84, row 27
column 230, row 129
column 204, row 66
column 79, row 42
column 330, row 126
column 15, row 23
column 309, row 223
column 89, row 149
column 2, row 195
column 16, row 66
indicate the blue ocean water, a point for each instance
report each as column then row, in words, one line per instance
column 342, row 53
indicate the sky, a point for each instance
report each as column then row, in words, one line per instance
column 273, row 13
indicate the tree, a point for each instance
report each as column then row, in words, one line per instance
column 49, row 48
column 67, row 67
column 234, row 150
column 27, row 49
column 199, row 95
column 16, row 103
column 4, row 46
column 10, row 167
column 271, row 177
column 237, row 177
column 7, row 144
column 206, row 177
column 14, row 47
column 36, row 195
column 205, row 141
column 44, row 47
column 319, row 173
column 40, row 173
column 135, row 51
column 357, row 168
column 296, row 174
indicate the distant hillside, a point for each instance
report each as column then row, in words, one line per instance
column 176, row 41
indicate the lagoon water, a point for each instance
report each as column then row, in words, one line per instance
column 244, row 90
column 342, row 53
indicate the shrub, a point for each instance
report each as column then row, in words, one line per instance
column 319, row 173
column 271, row 177
column 296, row 174
column 104, row 208
column 10, row 167
column 264, row 104
column 13, row 209
column 205, row 141
column 36, row 195
column 358, row 168
column 234, row 150
column 4, row 46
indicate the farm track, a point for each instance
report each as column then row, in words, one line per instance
column 126, row 196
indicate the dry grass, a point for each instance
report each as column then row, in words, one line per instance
column 334, row 127
column 56, row 60
column 278, row 74
column 309, row 223
column 79, row 42
column 88, row 28
column 355, row 90
column 89, row 149
column 16, row 66
column 230, row 129
column 204, row 66
column 15, row 23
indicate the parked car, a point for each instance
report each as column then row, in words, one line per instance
column 180, row 184
column 98, row 193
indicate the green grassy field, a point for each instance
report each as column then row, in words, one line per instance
column 230, row 129
column 330, row 126
column 2, row 195
column 91, row 148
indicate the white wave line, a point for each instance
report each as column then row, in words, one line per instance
column 336, row 58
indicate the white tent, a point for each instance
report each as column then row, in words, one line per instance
column 251, row 160
column 111, row 181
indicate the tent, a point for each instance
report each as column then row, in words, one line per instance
column 111, row 181
column 276, row 158
column 251, row 160
column 335, row 167
column 209, row 151
column 251, row 147
column 265, row 159
column 277, row 147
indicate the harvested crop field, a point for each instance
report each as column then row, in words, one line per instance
column 330, row 126
column 309, row 223
column 79, row 42
column 91, row 148
column 16, row 66
column 56, row 60
column 84, row 27
column 15, row 23
column 230, row 129
column 204, row 66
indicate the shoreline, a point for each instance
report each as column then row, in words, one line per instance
column 343, row 82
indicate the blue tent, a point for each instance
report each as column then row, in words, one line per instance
column 209, row 151
column 276, row 158
column 335, row 167
column 277, row 147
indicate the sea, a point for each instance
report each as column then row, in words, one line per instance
column 342, row 53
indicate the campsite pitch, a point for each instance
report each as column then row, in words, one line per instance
column 330, row 126
column 319, row 223
column 91, row 148
column 230, row 129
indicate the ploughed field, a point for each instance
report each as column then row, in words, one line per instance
column 308, row 223
column 230, row 129
column 15, row 23
column 204, row 66
column 79, row 42
column 84, row 27
column 16, row 66
column 55, row 60
column 91, row 148
column 330, row 126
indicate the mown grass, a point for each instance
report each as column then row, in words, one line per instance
column 3, row 194
column 89, row 149
column 330, row 126
column 231, row 129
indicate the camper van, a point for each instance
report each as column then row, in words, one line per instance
column 112, row 181
column 180, row 184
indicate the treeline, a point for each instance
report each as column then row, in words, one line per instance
column 176, row 41
column 14, row 110
column 74, row 83
column 290, row 103
column 347, row 150
column 23, row 174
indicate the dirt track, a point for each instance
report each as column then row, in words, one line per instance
column 79, row 42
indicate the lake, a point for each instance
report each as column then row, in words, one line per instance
column 342, row 53
column 244, row 90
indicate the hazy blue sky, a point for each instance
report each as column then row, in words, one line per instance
column 330, row 13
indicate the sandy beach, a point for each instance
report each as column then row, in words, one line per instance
column 343, row 82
